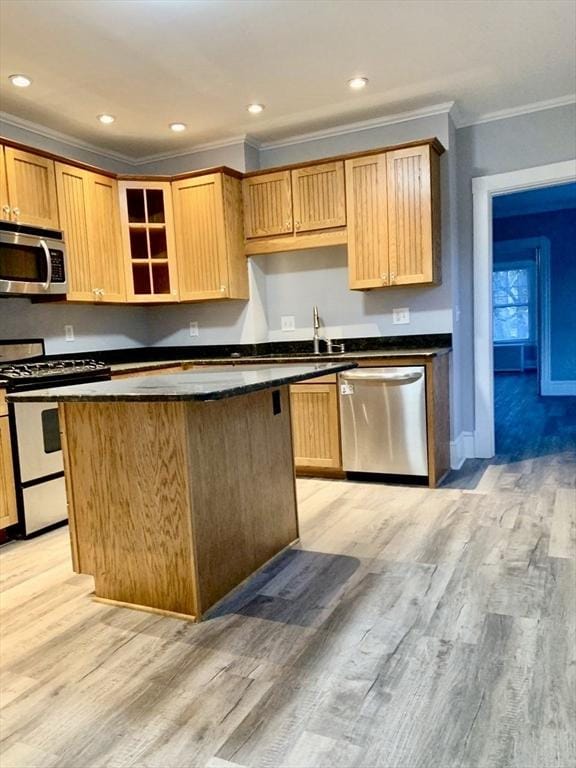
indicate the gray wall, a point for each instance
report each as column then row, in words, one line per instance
column 103, row 327
column 526, row 141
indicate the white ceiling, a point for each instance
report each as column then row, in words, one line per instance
column 152, row 62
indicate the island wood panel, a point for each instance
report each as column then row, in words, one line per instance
column 367, row 222
column 319, row 197
column 3, row 403
column 209, row 238
column 147, row 372
column 129, row 475
column 242, row 487
column 267, row 204
column 31, row 188
column 315, row 425
column 4, row 199
column 410, row 216
column 8, row 513
column 107, row 263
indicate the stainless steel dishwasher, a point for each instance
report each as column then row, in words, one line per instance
column 383, row 420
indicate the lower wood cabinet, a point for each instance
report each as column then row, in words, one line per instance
column 8, row 514
column 315, row 426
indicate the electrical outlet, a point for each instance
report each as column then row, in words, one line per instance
column 69, row 332
column 401, row 316
column 288, row 323
column 194, row 328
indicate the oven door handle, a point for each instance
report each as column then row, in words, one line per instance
column 46, row 285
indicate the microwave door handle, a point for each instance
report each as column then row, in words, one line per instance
column 46, row 285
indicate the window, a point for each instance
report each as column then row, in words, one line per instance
column 513, row 303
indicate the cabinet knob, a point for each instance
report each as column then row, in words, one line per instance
column 392, row 277
column 288, row 225
column 16, row 213
column 297, row 225
column 384, row 277
column 6, row 210
column 222, row 289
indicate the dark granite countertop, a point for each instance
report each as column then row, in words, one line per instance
column 192, row 385
column 280, row 358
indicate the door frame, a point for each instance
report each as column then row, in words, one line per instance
column 484, row 188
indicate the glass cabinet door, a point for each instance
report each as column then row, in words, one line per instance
column 148, row 234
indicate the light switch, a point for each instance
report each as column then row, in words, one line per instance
column 288, row 323
column 194, row 329
column 69, row 332
column 401, row 316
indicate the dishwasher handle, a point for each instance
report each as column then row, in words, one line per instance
column 392, row 378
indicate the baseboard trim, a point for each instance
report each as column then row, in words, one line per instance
column 461, row 448
column 559, row 388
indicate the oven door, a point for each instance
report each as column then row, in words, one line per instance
column 39, row 450
column 31, row 264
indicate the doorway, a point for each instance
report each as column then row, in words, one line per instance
column 485, row 190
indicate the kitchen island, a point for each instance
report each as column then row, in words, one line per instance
column 179, row 486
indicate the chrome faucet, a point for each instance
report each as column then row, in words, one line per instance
column 316, row 336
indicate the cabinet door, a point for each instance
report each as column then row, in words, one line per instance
column 31, row 188
column 367, row 214
column 73, row 203
column 315, row 427
column 148, row 241
column 4, row 200
column 200, row 238
column 319, row 197
column 8, row 514
column 106, row 257
column 267, row 204
column 410, row 216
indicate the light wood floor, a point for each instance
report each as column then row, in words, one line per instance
column 412, row 628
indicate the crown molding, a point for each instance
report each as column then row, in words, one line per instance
column 135, row 162
column 362, row 125
column 525, row 109
column 65, row 138
column 207, row 146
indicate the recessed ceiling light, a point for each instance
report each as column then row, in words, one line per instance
column 357, row 83
column 20, row 81
column 106, row 119
column 177, row 127
column 255, row 109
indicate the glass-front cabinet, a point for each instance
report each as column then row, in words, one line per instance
column 148, row 234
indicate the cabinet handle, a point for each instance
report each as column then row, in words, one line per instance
column 384, row 277
column 222, row 289
column 16, row 212
column 392, row 277
column 288, row 225
column 6, row 210
column 297, row 225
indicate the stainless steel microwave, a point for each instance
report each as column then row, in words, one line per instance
column 32, row 260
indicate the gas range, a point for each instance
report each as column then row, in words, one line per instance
column 51, row 373
column 35, row 431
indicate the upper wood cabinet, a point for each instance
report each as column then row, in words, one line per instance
column 90, row 217
column 30, row 184
column 413, row 221
column 319, row 197
column 5, row 211
column 268, row 204
column 148, row 240
column 8, row 513
column 366, row 197
column 210, row 238
column 393, row 218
